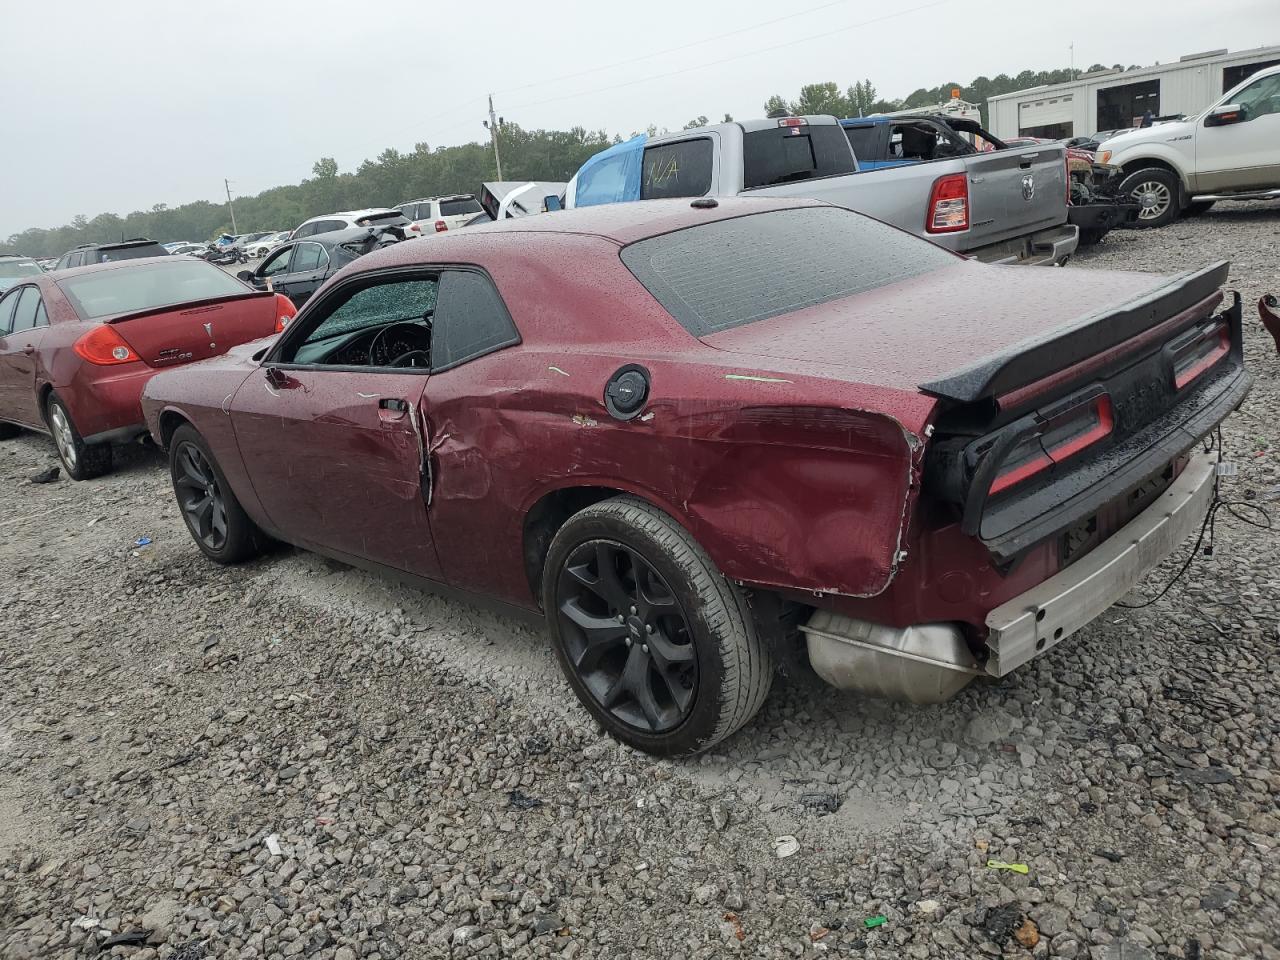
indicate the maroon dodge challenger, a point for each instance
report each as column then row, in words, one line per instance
column 691, row 432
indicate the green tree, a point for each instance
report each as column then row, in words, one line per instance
column 326, row 168
column 821, row 98
column 695, row 122
column 775, row 104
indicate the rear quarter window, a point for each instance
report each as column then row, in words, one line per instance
column 681, row 169
column 730, row 273
column 865, row 142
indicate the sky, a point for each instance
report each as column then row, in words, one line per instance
column 115, row 107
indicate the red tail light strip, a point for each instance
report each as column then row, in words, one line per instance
column 1033, row 391
column 1103, row 416
column 1220, row 349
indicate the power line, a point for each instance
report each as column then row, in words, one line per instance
column 740, row 56
column 683, row 46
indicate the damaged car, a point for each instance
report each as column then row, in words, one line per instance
column 695, row 435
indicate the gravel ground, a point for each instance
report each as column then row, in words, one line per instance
column 292, row 758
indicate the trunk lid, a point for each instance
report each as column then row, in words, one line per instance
column 196, row 331
column 931, row 327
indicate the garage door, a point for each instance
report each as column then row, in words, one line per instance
column 1045, row 113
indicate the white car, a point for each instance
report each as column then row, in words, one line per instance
column 264, row 245
column 1229, row 152
column 438, row 214
column 347, row 219
column 188, row 249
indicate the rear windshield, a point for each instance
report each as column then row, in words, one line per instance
column 788, row 154
column 680, row 169
column 863, row 140
column 19, row 268
column 109, row 254
column 734, row 272
column 458, row 208
column 131, row 289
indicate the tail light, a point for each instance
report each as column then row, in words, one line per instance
column 414, row 228
column 285, row 311
column 105, row 347
column 948, row 204
column 1059, row 434
column 1202, row 350
column 441, row 226
column 1066, row 164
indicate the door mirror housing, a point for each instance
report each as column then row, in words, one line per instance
column 1225, row 115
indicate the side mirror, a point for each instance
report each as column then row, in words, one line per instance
column 245, row 276
column 552, row 202
column 1226, row 114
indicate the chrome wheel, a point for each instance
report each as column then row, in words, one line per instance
column 626, row 636
column 1153, row 198
column 63, row 435
column 200, row 497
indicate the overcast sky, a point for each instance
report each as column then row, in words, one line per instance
column 116, row 106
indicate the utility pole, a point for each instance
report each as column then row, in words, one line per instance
column 227, row 183
column 1072, row 47
column 492, row 124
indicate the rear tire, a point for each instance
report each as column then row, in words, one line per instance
column 1197, row 207
column 1157, row 192
column 685, row 666
column 214, row 518
column 82, row 461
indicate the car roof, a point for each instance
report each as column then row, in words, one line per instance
column 447, row 196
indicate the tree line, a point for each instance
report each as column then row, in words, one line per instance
column 393, row 176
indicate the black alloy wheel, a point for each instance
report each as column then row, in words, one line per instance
column 627, row 636
column 200, row 496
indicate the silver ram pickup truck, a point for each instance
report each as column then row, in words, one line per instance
column 1008, row 206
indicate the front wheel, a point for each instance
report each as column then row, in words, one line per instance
column 658, row 646
column 1156, row 192
column 214, row 518
column 82, row 461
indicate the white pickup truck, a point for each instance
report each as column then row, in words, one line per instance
column 1229, row 152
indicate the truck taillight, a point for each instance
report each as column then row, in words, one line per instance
column 441, row 226
column 104, row 347
column 948, row 204
column 1058, row 437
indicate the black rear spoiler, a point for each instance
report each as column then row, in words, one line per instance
column 186, row 307
column 1036, row 358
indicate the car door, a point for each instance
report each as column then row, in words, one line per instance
column 307, row 270
column 273, row 268
column 332, row 437
column 27, row 327
column 8, row 376
column 1243, row 154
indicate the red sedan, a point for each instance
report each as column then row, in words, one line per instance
column 690, row 433
column 77, row 346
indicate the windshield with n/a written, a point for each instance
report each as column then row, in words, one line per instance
column 147, row 287
column 730, row 273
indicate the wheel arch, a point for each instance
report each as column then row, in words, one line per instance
column 1130, row 167
column 553, row 509
column 170, row 421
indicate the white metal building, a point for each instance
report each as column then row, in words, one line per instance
column 1112, row 99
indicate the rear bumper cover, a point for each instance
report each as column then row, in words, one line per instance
column 1046, row 247
column 1044, row 616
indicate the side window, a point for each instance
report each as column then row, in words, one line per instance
column 680, row 169
column 306, row 230
column 1261, row 98
column 24, row 318
column 471, row 320
column 277, row 263
column 865, row 142
column 7, row 304
column 326, row 226
column 42, row 315
column 368, row 311
column 308, row 256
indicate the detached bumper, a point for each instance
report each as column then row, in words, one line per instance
column 1102, row 215
column 1034, row 622
column 1049, row 247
